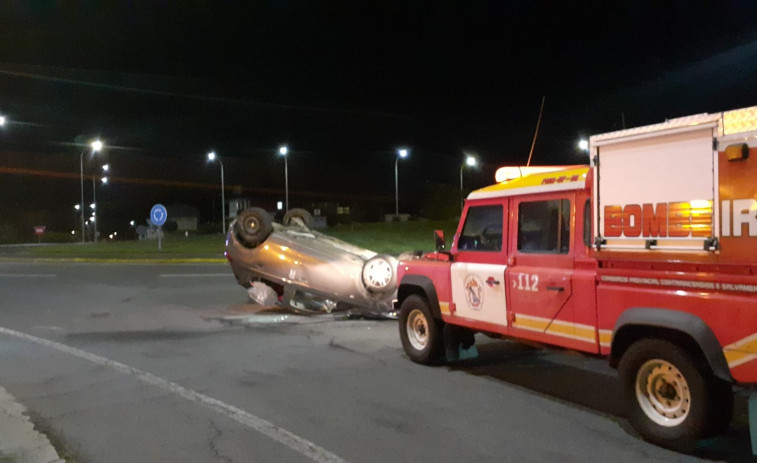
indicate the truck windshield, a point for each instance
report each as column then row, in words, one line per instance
column 482, row 230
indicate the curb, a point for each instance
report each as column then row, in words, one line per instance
column 20, row 441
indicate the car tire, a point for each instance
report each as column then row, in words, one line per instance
column 295, row 217
column 379, row 274
column 420, row 332
column 671, row 399
column 253, row 226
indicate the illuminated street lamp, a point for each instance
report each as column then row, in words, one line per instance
column 470, row 161
column 2, row 121
column 212, row 158
column 95, row 146
column 401, row 153
column 283, row 151
column 583, row 145
column 76, row 215
column 104, row 180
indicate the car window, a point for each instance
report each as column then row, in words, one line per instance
column 482, row 230
column 544, row 226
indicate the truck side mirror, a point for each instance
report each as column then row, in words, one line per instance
column 439, row 240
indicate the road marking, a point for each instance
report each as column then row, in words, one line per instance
column 281, row 435
column 194, row 275
column 28, row 275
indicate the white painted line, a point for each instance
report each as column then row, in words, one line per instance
column 28, row 275
column 194, row 275
column 281, row 435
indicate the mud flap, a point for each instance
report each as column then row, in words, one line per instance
column 459, row 343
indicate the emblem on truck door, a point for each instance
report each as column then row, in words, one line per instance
column 474, row 292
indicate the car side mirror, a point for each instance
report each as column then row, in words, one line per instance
column 439, row 240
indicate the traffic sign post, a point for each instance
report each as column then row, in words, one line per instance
column 39, row 230
column 158, row 216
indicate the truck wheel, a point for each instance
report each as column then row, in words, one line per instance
column 253, row 226
column 420, row 332
column 670, row 398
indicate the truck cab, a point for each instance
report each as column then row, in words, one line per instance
column 519, row 259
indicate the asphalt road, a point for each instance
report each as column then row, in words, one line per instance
column 147, row 363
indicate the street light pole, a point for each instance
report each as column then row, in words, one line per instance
column 469, row 161
column 95, row 147
column 401, row 153
column 94, row 209
column 212, row 157
column 283, row 151
column 76, row 215
column 223, row 200
column 106, row 167
column 81, row 176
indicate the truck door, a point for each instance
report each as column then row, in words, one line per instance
column 478, row 273
column 540, row 271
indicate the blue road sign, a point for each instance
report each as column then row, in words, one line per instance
column 158, row 215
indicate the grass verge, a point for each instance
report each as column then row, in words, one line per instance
column 383, row 237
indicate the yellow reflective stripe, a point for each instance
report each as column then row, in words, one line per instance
column 605, row 337
column 586, row 332
column 735, row 358
column 560, row 328
column 530, row 323
column 741, row 351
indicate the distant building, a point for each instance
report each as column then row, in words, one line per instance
column 186, row 217
column 237, row 205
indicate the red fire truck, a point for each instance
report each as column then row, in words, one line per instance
column 648, row 256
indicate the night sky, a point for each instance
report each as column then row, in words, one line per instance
column 344, row 84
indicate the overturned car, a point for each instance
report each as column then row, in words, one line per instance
column 293, row 266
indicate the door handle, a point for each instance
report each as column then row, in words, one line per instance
column 492, row 282
column 555, row 288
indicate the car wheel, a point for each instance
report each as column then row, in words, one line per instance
column 670, row 399
column 420, row 332
column 380, row 274
column 253, row 226
column 295, row 217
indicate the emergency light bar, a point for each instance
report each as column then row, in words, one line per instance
column 505, row 174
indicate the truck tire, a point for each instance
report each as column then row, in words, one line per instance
column 420, row 332
column 670, row 397
column 253, row 226
column 297, row 216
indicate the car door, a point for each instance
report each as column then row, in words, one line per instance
column 478, row 272
column 541, row 267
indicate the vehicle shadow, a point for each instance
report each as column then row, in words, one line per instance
column 592, row 384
